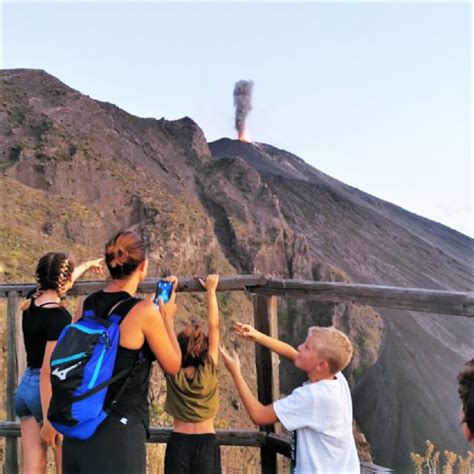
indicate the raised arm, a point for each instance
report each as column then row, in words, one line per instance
column 260, row 414
column 212, row 315
column 168, row 312
column 94, row 265
column 158, row 329
column 248, row 332
column 157, row 333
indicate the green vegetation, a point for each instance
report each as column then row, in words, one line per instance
column 15, row 152
column 43, row 156
column 41, row 129
column 224, row 299
column 16, row 115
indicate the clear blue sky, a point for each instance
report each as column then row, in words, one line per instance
column 377, row 95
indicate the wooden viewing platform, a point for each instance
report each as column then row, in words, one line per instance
column 264, row 292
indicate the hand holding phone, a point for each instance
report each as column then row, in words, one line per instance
column 163, row 291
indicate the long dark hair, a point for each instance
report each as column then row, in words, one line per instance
column 194, row 345
column 124, row 252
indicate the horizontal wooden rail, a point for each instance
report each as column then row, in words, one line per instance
column 186, row 284
column 11, row 429
column 369, row 468
column 248, row 438
column 278, row 443
column 412, row 299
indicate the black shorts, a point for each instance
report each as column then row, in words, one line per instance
column 116, row 447
column 192, row 454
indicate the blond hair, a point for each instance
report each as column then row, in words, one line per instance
column 333, row 346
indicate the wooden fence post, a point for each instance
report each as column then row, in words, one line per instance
column 20, row 348
column 11, row 453
column 265, row 319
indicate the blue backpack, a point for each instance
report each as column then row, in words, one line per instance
column 82, row 365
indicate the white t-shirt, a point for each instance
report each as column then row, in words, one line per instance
column 321, row 414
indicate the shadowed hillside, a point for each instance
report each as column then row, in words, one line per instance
column 74, row 170
column 397, row 401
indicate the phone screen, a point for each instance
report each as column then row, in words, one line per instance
column 163, row 291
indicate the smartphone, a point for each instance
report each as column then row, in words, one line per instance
column 163, row 291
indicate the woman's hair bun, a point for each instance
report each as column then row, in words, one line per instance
column 119, row 256
column 124, row 252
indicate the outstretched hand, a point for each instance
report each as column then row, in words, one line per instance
column 231, row 360
column 96, row 266
column 211, row 282
column 245, row 331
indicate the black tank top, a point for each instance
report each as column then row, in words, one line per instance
column 133, row 401
column 40, row 325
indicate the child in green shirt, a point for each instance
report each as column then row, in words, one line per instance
column 192, row 396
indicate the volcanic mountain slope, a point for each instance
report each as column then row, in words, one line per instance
column 75, row 170
column 409, row 395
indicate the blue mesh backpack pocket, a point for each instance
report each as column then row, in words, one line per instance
column 82, row 365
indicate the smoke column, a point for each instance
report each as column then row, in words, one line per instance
column 242, row 104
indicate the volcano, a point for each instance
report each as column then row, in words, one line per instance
column 75, row 170
column 409, row 394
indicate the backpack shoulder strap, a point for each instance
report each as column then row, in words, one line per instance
column 118, row 311
column 122, row 308
column 88, row 309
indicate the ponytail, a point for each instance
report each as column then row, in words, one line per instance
column 194, row 345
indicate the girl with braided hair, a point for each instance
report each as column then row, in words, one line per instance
column 192, row 396
column 43, row 319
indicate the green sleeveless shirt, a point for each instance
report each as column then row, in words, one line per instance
column 195, row 398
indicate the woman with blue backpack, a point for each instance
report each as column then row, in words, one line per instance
column 43, row 319
column 114, row 440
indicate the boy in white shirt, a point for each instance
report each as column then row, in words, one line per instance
column 319, row 412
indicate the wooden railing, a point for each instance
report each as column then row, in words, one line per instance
column 264, row 291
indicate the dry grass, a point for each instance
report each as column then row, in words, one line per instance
column 433, row 462
column 235, row 460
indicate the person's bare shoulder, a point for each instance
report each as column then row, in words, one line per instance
column 145, row 311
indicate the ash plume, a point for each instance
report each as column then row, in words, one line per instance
column 242, row 104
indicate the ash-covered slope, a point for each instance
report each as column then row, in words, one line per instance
column 409, row 395
column 290, row 171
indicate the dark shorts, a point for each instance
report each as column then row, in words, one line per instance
column 192, row 454
column 116, row 447
column 27, row 396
